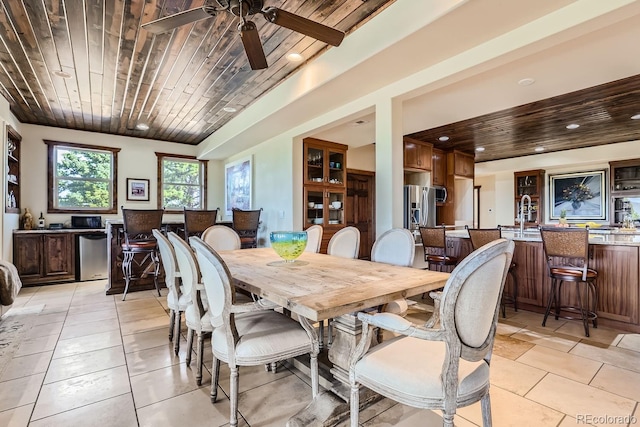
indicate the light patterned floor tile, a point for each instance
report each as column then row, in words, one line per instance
column 93, row 316
column 510, row 410
column 81, row 306
column 19, row 392
column 36, row 345
column 529, row 318
column 577, row 399
column 601, row 334
column 17, row 417
column 89, row 328
column 45, row 319
column 567, row 365
column 509, row 347
column 404, row 416
column 87, row 343
column 514, row 376
column 114, row 412
column 149, row 339
column 630, row 342
column 145, row 325
column 619, row 381
column 76, row 392
column 25, row 366
column 546, row 338
column 45, row 330
column 142, row 314
column 84, row 363
column 616, row 356
column 154, row 358
column 194, row 406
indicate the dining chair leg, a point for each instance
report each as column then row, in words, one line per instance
column 485, row 404
column 172, row 324
column 329, row 332
column 274, row 367
column 233, row 395
column 314, row 375
column 176, row 332
column 189, row 345
column 156, row 271
column 215, row 376
column 321, row 334
column 355, row 405
column 199, row 357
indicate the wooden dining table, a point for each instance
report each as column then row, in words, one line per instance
column 320, row 287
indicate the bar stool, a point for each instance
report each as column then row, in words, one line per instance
column 434, row 243
column 567, row 254
column 138, row 225
column 480, row 237
column 196, row 221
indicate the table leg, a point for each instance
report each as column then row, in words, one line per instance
column 331, row 407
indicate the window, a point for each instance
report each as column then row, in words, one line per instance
column 81, row 178
column 182, row 182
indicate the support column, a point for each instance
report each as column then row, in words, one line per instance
column 389, row 165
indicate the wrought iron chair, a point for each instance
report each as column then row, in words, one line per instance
column 138, row 225
column 567, row 254
column 196, row 221
column 434, row 243
column 246, row 223
column 444, row 367
column 248, row 334
column 480, row 237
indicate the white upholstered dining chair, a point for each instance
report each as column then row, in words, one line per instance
column 248, row 334
column 221, row 238
column 196, row 316
column 314, row 238
column 445, row 367
column 177, row 300
column 396, row 247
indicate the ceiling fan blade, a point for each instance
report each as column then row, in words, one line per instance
column 252, row 45
column 304, row 26
column 181, row 18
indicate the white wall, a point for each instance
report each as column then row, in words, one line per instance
column 497, row 180
column 362, row 158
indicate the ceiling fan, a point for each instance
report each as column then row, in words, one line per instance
column 248, row 30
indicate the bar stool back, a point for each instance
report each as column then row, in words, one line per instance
column 246, row 223
column 480, row 237
column 196, row 221
column 434, row 243
column 567, row 253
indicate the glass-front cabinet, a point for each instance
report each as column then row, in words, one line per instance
column 625, row 193
column 325, row 186
column 529, row 183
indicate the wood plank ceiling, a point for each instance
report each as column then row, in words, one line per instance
column 604, row 115
column 87, row 64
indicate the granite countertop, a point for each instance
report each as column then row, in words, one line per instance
column 596, row 237
column 60, row 230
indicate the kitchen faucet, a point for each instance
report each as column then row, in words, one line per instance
column 522, row 211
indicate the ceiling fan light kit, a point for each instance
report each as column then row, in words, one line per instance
column 247, row 29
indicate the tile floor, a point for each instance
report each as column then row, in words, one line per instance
column 94, row 360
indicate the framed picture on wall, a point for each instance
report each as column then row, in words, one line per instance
column 581, row 195
column 137, row 189
column 237, row 185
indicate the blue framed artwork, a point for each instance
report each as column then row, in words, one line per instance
column 581, row 195
column 237, row 185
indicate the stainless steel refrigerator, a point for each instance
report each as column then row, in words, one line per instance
column 419, row 207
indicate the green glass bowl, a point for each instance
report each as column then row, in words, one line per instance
column 289, row 245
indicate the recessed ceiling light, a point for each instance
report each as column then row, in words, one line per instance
column 635, row 117
column 573, row 126
column 62, row 74
column 142, row 126
column 526, row 81
column 295, row 57
column 479, row 149
column 229, row 109
column 443, row 138
column 538, row 149
column 359, row 122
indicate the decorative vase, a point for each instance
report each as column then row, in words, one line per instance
column 289, row 245
column 576, row 204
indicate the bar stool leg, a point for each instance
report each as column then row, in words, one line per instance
column 584, row 313
column 156, row 271
column 552, row 299
column 594, row 289
column 127, row 259
column 558, row 294
column 515, row 290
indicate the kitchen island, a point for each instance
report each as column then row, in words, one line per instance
column 614, row 254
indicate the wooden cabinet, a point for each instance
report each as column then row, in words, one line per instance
column 460, row 164
column 12, row 191
column 325, row 186
column 44, row 257
column 417, row 155
column 530, row 183
column 438, row 167
column 531, row 273
column 625, row 190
